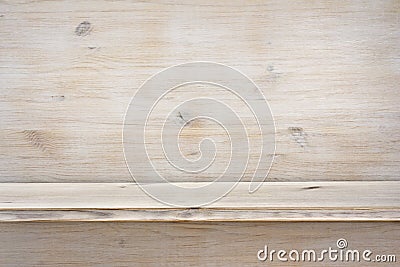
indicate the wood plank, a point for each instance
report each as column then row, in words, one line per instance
column 186, row 244
column 278, row 201
column 203, row 215
column 69, row 69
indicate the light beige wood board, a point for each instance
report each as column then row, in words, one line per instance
column 275, row 201
column 185, row 244
column 329, row 70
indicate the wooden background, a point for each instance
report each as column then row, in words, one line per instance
column 184, row 244
column 329, row 70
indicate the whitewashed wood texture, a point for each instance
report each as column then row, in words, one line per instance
column 275, row 201
column 329, row 70
column 185, row 244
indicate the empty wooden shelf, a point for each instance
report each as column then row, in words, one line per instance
column 329, row 72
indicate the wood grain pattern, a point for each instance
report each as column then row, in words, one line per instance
column 277, row 201
column 68, row 69
column 330, row 72
column 185, row 244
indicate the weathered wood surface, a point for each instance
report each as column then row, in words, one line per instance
column 277, row 201
column 185, row 244
column 68, row 69
column 330, row 72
